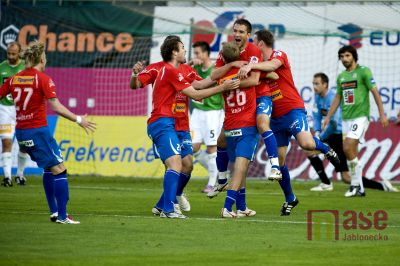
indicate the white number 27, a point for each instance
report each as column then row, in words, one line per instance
column 28, row 91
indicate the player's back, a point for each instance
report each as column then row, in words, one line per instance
column 240, row 104
column 285, row 96
column 30, row 88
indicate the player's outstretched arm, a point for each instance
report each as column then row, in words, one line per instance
column 136, row 69
column 334, row 106
column 252, row 80
column 267, row 66
column 60, row 109
column 378, row 100
column 203, row 84
column 221, row 71
column 201, row 94
column 272, row 75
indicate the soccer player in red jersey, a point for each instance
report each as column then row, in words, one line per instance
column 241, row 136
column 143, row 76
column 288, row 114
column 249, row 53
column 30, row 89
column 162, row 123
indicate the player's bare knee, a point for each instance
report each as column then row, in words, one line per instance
column 58, row 169
column 6, row 145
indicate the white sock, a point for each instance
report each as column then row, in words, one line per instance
column 7, row 163
column 356, row 174
column 212, row 169
column 274, row 162
column 22, row 160
column 201, row 156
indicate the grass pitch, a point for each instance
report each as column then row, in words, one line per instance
column 117, row 227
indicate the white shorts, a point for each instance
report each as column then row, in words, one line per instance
column 355, row 128
column 7, row 121
column 206, row 126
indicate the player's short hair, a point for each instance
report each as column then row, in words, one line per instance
column 242, row 21
column 350, row 49
column 170, row 44
column 266, row 36
column 14, row 44
column 205, row 47
column 323, row 76
column 230, row 52
column 33, row 53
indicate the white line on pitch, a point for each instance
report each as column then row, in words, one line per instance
column 193, row 218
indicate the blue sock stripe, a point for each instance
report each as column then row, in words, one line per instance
column 231, row 198
column 172, row 171
column 270, row 135
column 63, row 178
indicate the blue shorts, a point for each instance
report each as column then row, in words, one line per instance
column 289, row 125
column 186, row 143
column 264, row 105
column 241, row 142
column 40, row 145
column 165, row 138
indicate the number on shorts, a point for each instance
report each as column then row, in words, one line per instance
column 354, row 127
column 240, row 98
column 212, row 134
column 28, row 91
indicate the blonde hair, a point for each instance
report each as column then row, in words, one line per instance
column 33, row 53
column 230, row 52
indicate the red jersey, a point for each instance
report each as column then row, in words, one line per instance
column 263, row 88
column 30, row 89
column 285, row 96
column 168, row 82
column 240, row 104
column 149, row 76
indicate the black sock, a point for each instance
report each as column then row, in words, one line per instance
column 319, row 168
column 372, row 184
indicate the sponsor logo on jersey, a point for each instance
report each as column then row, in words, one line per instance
column 233, row 133
column 349, row 85
column 23, row 80
column 276, row 95
column 178, row 108
column 230, row 77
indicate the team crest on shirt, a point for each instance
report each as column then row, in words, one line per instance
column 253, row 60
column 277, row 53
column 180, row 77
column 23, row 80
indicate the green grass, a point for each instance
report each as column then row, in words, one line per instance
column 117, row 227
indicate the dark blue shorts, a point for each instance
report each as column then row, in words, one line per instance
column 289, row 125
column 40, row 145
column 165, row 138
column 242, row 142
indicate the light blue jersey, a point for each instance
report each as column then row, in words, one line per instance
column 320, row 110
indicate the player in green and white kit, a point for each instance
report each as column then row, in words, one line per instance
column 352, row 92
column 9, row 68
column 207, row 117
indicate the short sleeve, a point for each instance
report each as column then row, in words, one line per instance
column 49, row 88
column 369, row 80
column 191, row 74
column 280, row 56
column 148, row 75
